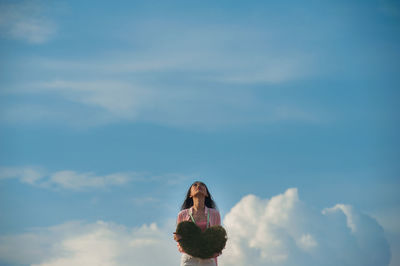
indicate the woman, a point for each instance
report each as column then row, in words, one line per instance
column 199, row 208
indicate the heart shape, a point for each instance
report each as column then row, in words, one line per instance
column 201, row 244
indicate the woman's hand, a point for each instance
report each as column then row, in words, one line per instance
column 216, row 255
column 177, row 237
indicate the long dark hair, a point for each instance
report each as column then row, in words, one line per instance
column 188, row 202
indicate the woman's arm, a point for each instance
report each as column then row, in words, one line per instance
column 176, row 236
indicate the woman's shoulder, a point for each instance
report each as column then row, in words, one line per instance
column 183, row 215
column 213, row 211
column 183, row 212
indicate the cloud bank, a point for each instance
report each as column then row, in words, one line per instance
column 95, row 244
column 285, row 231
column 278, row 231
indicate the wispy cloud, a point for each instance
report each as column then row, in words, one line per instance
column 108, row 101
column 65, row 179
column 30, row 175
column 145, row 200
column 274, row 70
column 25, row 21
column 78, row 181
column 119, row 98
column 193, row 82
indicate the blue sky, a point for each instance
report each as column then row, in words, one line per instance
column 109, row 111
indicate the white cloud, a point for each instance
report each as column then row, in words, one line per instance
column 121, row 99
column 75, row 181
column 108, row 101
column 95, row 244
column 278, row 231
column 307, row 242
column 193, row 81
column 347, row 210
column 25, row 21
column 72, row 180
column 273, row 71
column 145, row 200
column 66, row 179
column 389, row 218
column 284, row 231
column 30, row 175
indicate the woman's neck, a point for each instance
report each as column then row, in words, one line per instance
column 198, row 204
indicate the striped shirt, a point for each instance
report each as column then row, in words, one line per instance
column 215, row 219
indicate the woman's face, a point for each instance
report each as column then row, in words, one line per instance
column 198, row 188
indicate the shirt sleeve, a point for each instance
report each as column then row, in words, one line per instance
column 179, row 219
column 218, row 219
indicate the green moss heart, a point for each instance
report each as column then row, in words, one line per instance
column 201, row 244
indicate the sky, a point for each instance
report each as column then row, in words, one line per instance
column 287, row 110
